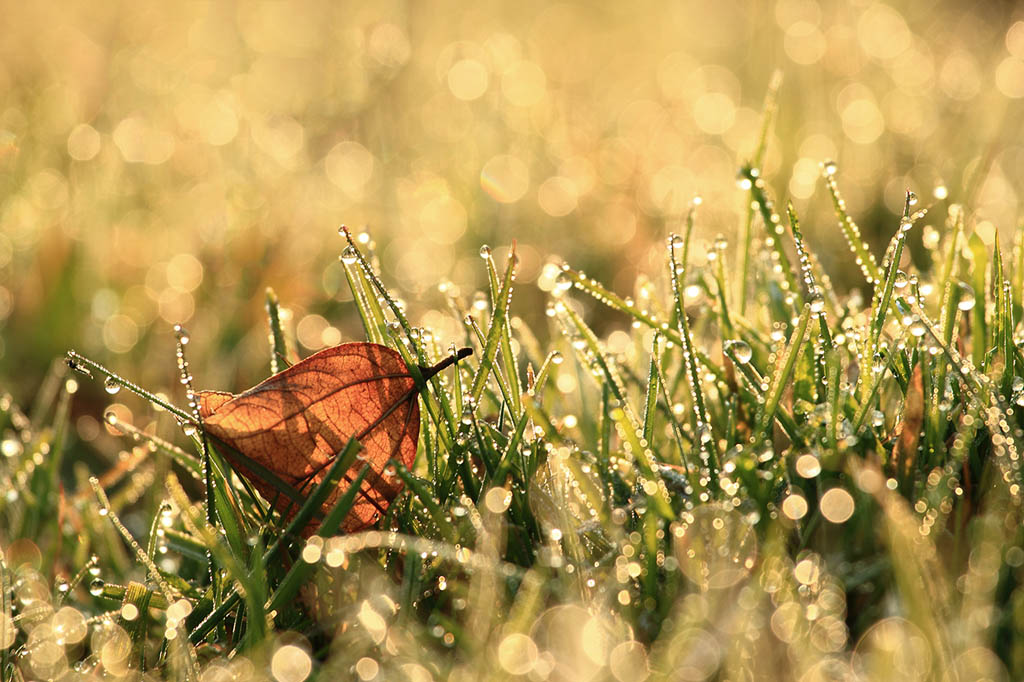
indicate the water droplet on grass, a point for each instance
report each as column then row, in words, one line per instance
column 741, row 351
column 111, row 386
column 966, row 301
column 349, row 255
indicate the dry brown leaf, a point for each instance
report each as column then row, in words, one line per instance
column 296, row 422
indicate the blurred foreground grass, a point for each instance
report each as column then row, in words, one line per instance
column 771, row 459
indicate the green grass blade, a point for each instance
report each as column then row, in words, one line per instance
column 768, row 111
column 300, row 571
column 278, row 345
column 773, row 227
column 653, row 389
column 865, row 259
column 781, row 378
column 979, row 324
column 705, row 434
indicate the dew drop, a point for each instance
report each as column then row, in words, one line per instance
column 877, row 363
column 96, row 587
column 111, row 386
column 485, row 251
column 74, row 365
column 817, row 302
column 829, row 167
column 563, row 282
column 349, row 255
column 741, row 351
column 911, row 198
column 901, row 279
column 966, row 301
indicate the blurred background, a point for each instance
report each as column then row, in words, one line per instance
column 165, row 162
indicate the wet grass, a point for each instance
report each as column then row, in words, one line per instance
column 764, row 478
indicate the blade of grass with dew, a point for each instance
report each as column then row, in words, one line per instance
column 677, row 429
column 884, row 288
column 232, row 525
column 768, row 110
column 253, row 584
column 499, row 379
column 950, row 290
column 311, row 506
column 753, row 394
column 773, row 227
column 300, row 571
column 816, row 299
column 652, row 484
column 134, row 619
column 278, row 345
column 79, row 362
column 151, row 568
column 155, row 529
column 184, row 544
column 979, row 326
column 832, row 372
column 421, row 492
column 495, row 330
column 280, row 486
column 183, row 458
column 996, row 342
column 592, row 355
column 614, row 301
column 449, row 419
column 726, row 330
column 705, row 433
column 505, row 462
column 782, row 375
column 862, row 253
column 511, row 367
column 653, row 389
column 370, row 314
column 1002, row 326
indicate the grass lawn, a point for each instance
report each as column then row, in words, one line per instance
column 725, row 435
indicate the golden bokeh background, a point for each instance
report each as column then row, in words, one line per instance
column 165, row 162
